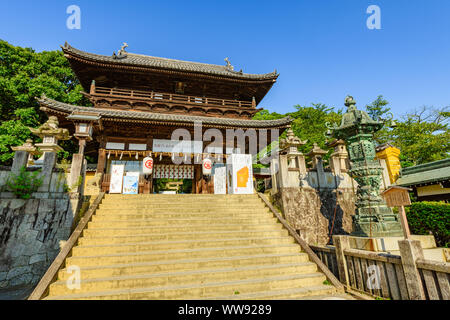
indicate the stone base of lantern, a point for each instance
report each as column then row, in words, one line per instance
column 376, row 221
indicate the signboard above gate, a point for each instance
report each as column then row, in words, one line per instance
column 177, row 146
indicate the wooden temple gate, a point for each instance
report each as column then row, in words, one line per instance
column 138, row 99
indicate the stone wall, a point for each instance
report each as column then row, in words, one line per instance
column 311, row 211
column 30, row 232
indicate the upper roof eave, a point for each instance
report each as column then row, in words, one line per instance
column 136, row 60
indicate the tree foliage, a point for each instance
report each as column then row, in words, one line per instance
column 422, row 136
column 308, row 122
column 25, row 75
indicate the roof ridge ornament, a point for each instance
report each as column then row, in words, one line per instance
column 228, row 66
column 122, row 52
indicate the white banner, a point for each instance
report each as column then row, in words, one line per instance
column 240, row 174
column 115, row 185
column 220, row 180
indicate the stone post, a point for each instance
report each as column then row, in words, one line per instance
column 316, row 154
column 274, row 171
column 76, row 171
column 342, row 243
column 284, row 170
column 410, row 251
column 47, row 171
column 20, row 160
column 22, row 155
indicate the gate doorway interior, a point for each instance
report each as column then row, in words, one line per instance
column 189, row 178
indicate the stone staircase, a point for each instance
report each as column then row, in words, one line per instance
column 188, row 247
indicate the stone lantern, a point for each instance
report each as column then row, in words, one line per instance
column 290, row 146
column 316, row 154
column 50, row 134
column 84, row 126
column 373, row 217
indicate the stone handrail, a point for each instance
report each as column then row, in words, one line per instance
column 52, row 272
column 305, row 247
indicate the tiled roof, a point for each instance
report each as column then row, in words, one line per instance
column 138, row 60
column 436, row 171
column 47, row 103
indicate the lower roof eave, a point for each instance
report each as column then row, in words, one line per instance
column 63, row 109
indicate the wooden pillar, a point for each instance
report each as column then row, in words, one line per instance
column 101, row 162
column 342, row 243
column 198, row 177
column 410, row 251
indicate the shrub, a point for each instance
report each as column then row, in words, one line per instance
column 430, row 217
column 24, row 183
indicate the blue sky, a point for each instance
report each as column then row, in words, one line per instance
column 322, row 49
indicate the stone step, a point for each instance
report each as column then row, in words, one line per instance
column 189, row 277
column 192, row 222
column 145, row 215
column 180, row 207
column 190, row 201
column 233, row 225
column 180, row 196
column 227, row 211
column 95, row 248
column 204, row 290
column 104, row 257
column 316, row 292
column 113, row 232
column 110, row 240
column 92, row 272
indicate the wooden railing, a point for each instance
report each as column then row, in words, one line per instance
column 328, row 256
column 380, row 275
column 383, row 275
column 41, row 290
column 435, row 275
column 169, row 97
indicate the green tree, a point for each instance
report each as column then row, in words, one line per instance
column 309, row 123
column 25, row 75
column 379, row 110
column 423, row 136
